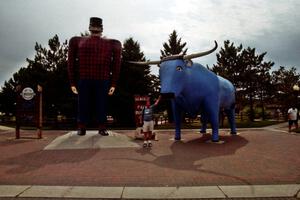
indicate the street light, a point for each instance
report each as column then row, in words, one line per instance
column 296, row 88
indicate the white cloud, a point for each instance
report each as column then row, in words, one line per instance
column 269, row 25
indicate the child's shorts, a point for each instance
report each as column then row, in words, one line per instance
column 148, row 126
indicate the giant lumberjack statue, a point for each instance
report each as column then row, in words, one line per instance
column 97, row 61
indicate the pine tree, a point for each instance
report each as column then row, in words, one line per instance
column 228, row 65
column 283, row 81
column 134, row 80
column 48, row 69
column 243, row 67
column 174, row 46
column 265, row 88
column 8, row 98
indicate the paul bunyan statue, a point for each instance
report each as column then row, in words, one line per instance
column 93, row 69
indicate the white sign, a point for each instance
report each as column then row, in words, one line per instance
column 27, row 93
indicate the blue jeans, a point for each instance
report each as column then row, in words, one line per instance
column 88, row 89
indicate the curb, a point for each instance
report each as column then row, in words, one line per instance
column 195, row 192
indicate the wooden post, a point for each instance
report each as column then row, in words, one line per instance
column 17, row 131
column 18, row 90
column 40, row 111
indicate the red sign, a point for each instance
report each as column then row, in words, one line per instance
column 139, row 104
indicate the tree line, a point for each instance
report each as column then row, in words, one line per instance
column 257, row 85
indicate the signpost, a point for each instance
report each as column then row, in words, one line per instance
column 29, row 109
column 139, row 104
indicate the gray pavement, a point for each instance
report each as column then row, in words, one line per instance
column 91, row 140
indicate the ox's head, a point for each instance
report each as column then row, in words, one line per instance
column 173, row 70
column 172, row 73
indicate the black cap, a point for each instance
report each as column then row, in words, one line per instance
column 95, row 23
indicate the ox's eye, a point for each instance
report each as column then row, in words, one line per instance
column 179, row 68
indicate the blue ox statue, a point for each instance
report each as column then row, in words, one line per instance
column 195, row 89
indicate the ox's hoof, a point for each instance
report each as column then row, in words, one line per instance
column 177, row 139
column 215, row 141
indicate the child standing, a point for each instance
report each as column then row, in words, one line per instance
column 148, row 124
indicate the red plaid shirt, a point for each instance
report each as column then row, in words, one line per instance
column 94, row 58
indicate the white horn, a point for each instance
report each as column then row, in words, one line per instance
column 144, row 63
column 196, row 55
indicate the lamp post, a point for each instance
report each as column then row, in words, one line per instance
column 296, row 90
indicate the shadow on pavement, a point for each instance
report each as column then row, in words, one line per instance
column 40, row 159
column 190, row 155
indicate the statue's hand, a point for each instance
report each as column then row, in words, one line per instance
column 74, row 90
column 111, row 91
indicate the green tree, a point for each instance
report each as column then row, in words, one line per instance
column 134, row 80
column 8, row 97
column 57, row 94
column 228, row 66
column 48, row 69
column 250, row 62
column 228, row 63
column 283, row 81
column 174, row 46
column 247, row 71
column 265, row 88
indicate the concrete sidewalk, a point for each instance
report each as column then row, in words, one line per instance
column 258, row 163
column 196, row 192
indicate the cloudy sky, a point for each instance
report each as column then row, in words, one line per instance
column 271, row 26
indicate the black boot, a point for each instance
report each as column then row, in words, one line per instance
column 81, row 132
column 103, row 132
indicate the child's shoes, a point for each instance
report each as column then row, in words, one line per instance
column 145, row 144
